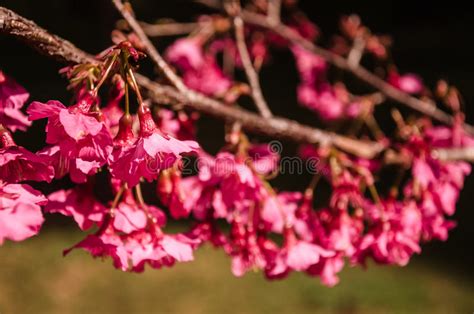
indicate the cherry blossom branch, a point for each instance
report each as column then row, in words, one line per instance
column 277, row 128
column 252, row 75
column 362, row 73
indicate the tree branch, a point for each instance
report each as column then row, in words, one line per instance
column 44, row 42
column 252, row 75
column 279, row 128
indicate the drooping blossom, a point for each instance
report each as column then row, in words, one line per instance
column 148, row 154
column 20, row 211
column 394, row 236
column 12, row 98
column 129, row 216
column 139, row 243
column 84, row 142
column 78, row 203
column 19, row 164
column 436, row 184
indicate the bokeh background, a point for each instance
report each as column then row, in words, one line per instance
column 431, row 39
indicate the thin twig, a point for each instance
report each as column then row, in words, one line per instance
column 357, row 51
column 252, row 75
column 466, row 154
column 153, row 53
column 274, row 11
column 168, row 29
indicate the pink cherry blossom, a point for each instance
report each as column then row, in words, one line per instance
column 12, row 99
column 327, row 270
column 105, row 245
column 78, row 203
column 150, row 153
column 18, row 164
column 186, row 53
column 128, row 216
column 395, row 238
column 311, row 67
column 409, row 83
column 208, row 79
column 180, row 125
column 20, row 212
column 83, row 140
column 200, row 71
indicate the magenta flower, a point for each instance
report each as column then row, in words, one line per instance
column 265, row 158
column 179, row 125
column 179, row 195
column 157, row 251
column 77, row 169
column 208, row 79
column 84, row 142
column 409, row 83
column 346, row 192
column 150, row 153
column 12, row 99
column 186, row 53
column 105, row 245
column 20, row 212
column 128, row 216
column 244, row 249
column 78, row 203
column 200, row 72
column 279, row 212
column 133, row 239
column 302, row 255
column 295, row 255
column 395, row 236
column 311, row 67
column 327, row 270
column 18, row 164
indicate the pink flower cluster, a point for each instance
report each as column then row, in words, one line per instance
column 82, row 140
column 228, row 199
column 330, row 102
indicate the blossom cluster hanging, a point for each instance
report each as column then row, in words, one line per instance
column 112, row 131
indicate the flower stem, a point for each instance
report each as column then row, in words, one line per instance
column 109, row 67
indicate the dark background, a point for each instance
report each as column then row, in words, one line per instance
column 431, row 39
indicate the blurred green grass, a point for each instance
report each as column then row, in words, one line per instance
column 35, row 278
